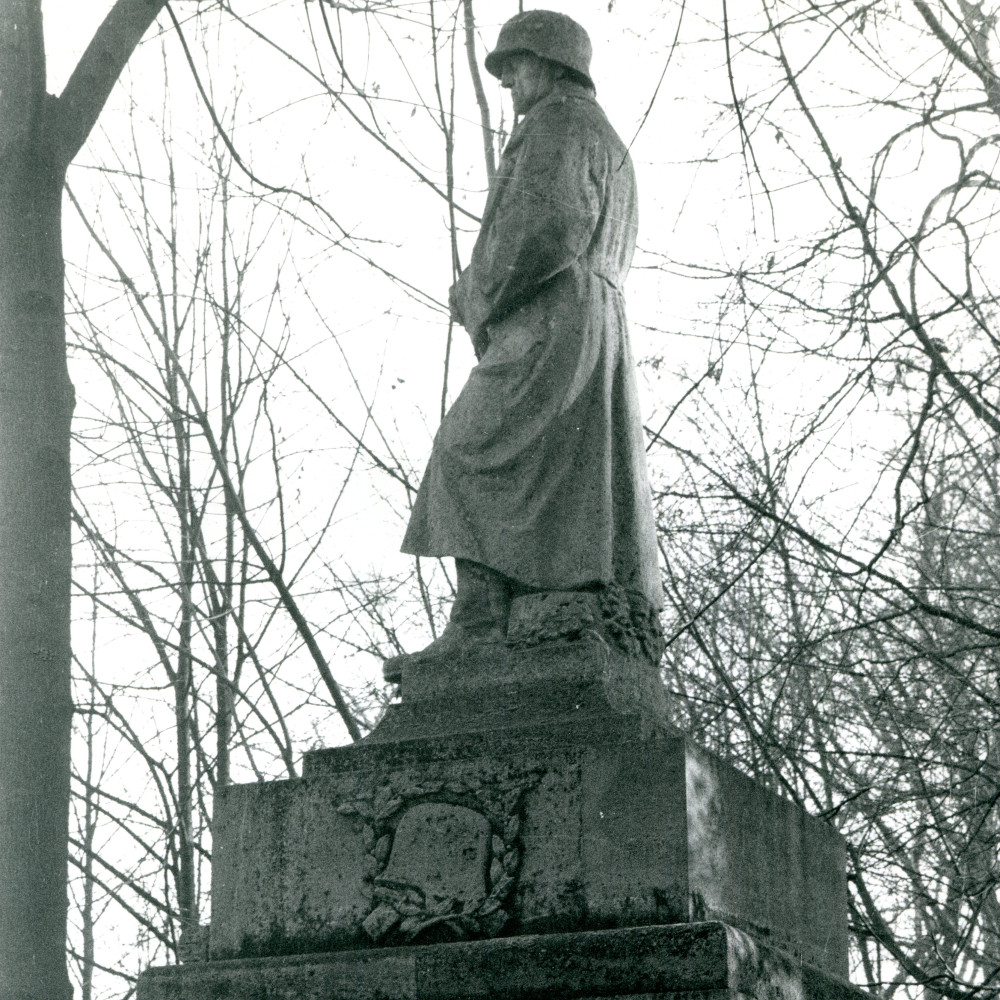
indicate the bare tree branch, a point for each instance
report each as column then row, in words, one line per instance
column 98, row 70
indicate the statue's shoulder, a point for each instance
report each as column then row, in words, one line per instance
column 569, row 108
column 574, row 115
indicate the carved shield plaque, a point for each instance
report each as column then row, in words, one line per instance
column 442, row 851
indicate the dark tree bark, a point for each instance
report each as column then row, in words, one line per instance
column 39, row 136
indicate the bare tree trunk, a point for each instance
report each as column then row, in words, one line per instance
column 186, row 516
column 36, row 403
column 90, row 793
column 39, row 135
column 489, row 155
column 224, row 604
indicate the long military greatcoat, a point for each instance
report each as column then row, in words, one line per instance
column 538, row 470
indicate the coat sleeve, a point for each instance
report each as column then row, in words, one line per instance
column 545, row 217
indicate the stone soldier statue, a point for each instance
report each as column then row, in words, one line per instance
column 537, row 479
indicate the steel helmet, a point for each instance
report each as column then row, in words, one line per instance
column 548, row 35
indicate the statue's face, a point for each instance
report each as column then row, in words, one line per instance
column 528, row 79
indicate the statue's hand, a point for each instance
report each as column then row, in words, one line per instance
column 453, row 306
column 480, row 341
column 467, row 309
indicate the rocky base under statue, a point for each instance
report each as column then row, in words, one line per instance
column 486, row 612
column 525, row 822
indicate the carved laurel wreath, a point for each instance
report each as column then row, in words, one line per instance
column 403, row 914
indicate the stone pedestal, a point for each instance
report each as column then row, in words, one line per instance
column 706, row 961
column 524, row 823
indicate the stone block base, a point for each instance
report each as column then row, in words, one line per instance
column 709, row 961
column 520, row 793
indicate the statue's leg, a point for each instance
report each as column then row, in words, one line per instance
column 482, row 600
column 480, row 614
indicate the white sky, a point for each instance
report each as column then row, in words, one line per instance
column 693, row 211
column 693, row 207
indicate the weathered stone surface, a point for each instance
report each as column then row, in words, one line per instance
column 710, row 961
column 492, row 688
column 291, row 869
column 624, row 620
column 539, row 469
column 592, row 825
column 530, row 784
column 440, row 850
column 591, row 812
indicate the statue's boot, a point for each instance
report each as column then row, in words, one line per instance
column 479, row 615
